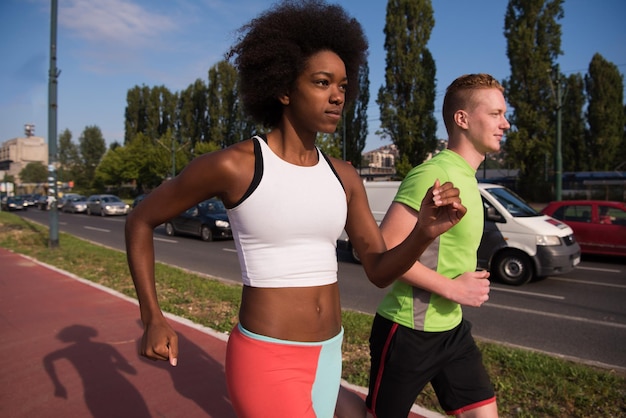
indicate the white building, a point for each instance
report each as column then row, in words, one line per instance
column 16, row 153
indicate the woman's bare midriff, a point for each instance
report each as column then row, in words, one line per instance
column 307, row 314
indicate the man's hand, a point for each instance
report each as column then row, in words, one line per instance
column 160, row 342
column 471, row 288
column 441, row 209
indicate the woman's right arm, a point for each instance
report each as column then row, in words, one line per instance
column 222, row 174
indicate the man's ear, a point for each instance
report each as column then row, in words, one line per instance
column 460, row 118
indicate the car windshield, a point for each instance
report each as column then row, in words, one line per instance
column 79, row 199
column 514, row 204
column 110, row 199
column 213, row 206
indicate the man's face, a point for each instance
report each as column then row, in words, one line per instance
column 486, row 120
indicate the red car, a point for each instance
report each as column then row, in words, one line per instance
column 599, row 225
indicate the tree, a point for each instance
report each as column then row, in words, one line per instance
column 533, row 44
column 34, row 172
column 573, row 125
column 68, row 156
column 92, row 148
column 353, row 126
column 193, row 118
column 605, row 114
column 407, row 100
column 222, row 105
column 135, row 114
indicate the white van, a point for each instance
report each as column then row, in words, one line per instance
column 518, row 242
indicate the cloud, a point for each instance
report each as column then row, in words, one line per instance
column 114, row 22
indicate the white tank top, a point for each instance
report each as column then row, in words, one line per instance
column 286, row 226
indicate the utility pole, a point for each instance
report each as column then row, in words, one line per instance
column 52, row 127
column 558, row 156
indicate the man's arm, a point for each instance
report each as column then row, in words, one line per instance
column 470, row 288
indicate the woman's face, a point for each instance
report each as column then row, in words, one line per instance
column 316, row 101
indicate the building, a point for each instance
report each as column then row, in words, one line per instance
column 16, row 153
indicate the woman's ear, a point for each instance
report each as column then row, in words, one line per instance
column 284, row 99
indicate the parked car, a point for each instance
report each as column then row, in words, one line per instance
column 106, row 204
column 30, row 199
column 65, row 198
column 75, row 204
column 207, row 220
column 10, row 203
column 599, row 226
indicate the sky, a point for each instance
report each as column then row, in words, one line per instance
column 105, row 48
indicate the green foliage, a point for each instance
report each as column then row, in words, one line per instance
column 573, row 125
column 223, row 105
column 34, row 172
column 407, row 99
column 353, row 126
column 605, row 114
column 193, row 122
column 92, row 147
column 533, row 44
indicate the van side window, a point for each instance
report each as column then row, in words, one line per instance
column 491, row 213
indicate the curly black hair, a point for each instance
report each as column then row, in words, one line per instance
column 272, row 50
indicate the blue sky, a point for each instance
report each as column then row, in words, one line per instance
column 104, row 48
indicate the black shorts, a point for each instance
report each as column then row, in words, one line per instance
column 405, row 360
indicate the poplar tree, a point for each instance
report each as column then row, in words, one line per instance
column 355, row 120
column 605, row 114
column 573, row 125
column 533, row 44
column 222, row 104
column 193, row 118
column 407, row 99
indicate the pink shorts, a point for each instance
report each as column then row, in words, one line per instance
column 267, row 377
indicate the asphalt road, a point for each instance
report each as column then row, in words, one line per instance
column 580, row 315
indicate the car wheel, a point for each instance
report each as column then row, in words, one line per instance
column 88, row 211
column 205, row 233
column 169, row 229
column 102, row 212
column 512, row 267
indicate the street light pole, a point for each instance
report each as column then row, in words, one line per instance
column 558, row 155
column 52, row 126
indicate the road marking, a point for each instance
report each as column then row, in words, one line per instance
column 229, row 250
column 173, row 241
column 619, row 286
column 598, row 269
column 558, row 316
column 521, row 292
column 97, row 229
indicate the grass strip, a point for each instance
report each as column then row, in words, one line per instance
column 528, row 384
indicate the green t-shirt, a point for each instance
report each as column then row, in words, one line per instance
column 452, row 254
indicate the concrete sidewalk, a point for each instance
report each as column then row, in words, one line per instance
column 69, row 349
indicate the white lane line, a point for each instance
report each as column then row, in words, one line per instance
column 97, row 229
column 598, row 269
column 619, row 286
column 521, row 292
column 173, row 241
column 553, row 315
column 229, row 250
